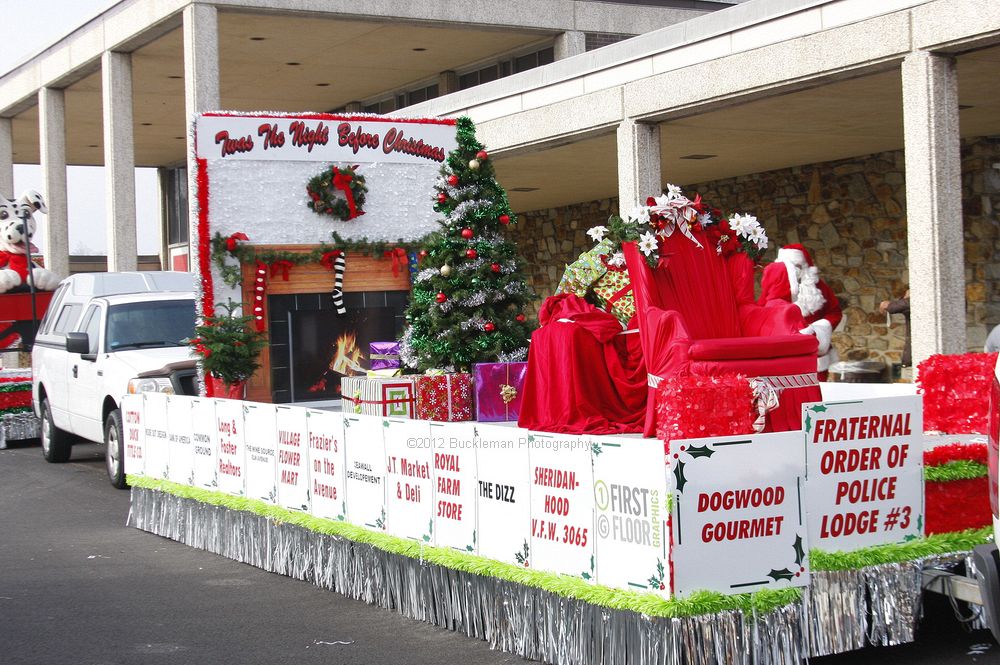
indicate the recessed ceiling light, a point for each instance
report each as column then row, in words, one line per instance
column 175, row 76
column 147, row 124
column 524, row 189
column 322, row 85
column 257, row 39
column 420, row 48
column 180, row 138
column 93, row 145
column 962, row 107
column 698, row 156
column 293, row 64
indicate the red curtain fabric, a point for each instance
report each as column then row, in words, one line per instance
column 584, row 376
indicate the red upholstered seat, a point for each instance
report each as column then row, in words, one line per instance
column 696, row 314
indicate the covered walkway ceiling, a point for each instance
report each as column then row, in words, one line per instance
column 834, row 121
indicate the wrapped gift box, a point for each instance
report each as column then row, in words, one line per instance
column 394, row 397
column 444, row 397
column 384, row 355
column 614, row 294
column 498, row 390
column 580, row 275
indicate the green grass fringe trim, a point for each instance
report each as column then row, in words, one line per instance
column 704, row 602
column 955, row 470
column 918, row 548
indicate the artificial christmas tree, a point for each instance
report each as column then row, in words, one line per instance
column 469, row 296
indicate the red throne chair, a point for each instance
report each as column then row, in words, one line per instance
column 696, row 313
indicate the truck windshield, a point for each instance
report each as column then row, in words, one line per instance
column 150, row 324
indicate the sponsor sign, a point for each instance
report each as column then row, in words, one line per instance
column 454, row 451
column 180, row 467
column 409, row 471
column 503, row 485
column 205, row 443
column 326, row 464
column 364, row 473
column 259, row 427
column 231, row 451
column 134, row 435
column 293, row 458
column 155, row 425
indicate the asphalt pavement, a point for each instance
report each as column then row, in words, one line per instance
column 79, row 587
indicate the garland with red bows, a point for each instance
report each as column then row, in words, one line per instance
column 338, row 192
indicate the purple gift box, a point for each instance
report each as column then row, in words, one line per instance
column 498, row 389
column 384, row 355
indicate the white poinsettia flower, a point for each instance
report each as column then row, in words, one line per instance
column 647, row 243
column 705, row 219
column 662, row 201
column 617, row 260
column 597, row 233
column 638, row 215
column 673, row 191
column 759, row 237
column 742, row 224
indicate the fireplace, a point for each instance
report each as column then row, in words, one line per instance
column 312, row 346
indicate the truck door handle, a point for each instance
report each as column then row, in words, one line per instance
column 75, row 370
column 100, row 372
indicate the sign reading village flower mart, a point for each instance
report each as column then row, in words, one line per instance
column 865, row 472
column 739, row 513
column 323, row 138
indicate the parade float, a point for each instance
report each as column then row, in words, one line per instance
column 731, row 537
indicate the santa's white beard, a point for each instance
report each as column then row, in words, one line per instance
column 809, row 298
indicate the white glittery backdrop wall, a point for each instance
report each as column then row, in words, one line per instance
column 267, row 200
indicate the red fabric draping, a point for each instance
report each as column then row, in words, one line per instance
column 584, row 376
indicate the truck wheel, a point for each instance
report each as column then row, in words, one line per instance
column 56, row 444
column 114, row 449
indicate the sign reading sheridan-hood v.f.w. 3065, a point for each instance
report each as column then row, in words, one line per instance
column 323, row 138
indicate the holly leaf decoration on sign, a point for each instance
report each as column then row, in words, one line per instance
column 818, row 408
column 679, row 475
column 700, row 451
column 800, row 553
column 783, row 574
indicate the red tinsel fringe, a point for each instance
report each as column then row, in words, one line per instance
column 15, row 379
column 953, row 452
column 331, row 116
column 15, row 399
column 691, row 407
column 956, row 505
column 954, row 389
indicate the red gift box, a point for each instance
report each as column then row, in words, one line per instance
column 444, row 397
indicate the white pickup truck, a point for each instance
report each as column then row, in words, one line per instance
column 105, row 335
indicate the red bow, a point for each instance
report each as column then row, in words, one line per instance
column 604, row 260
column 342, row 181
column 231, row 240
column 329, row 257
column 399, row 258
column 282, row 266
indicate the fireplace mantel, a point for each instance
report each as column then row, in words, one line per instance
column 362, row 273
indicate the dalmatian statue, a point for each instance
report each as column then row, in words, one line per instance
column 17, row 226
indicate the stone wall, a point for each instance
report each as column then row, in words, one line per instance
column 849, row 213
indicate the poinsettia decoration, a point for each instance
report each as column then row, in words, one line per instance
column 955, row 387
column 338, row 192
column 673, row 212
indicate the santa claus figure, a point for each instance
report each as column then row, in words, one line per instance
column 795, row 279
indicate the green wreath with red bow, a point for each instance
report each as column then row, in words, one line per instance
column 338, row 192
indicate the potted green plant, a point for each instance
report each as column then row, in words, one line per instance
column 229, row 347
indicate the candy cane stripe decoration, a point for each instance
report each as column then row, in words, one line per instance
column 339, row 264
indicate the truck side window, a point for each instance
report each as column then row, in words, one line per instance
column 50, row 314
column 68, row 317
column 92, row 326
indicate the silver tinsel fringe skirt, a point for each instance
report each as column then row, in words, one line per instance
column 842, row 611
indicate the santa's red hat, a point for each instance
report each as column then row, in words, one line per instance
column 795, row 254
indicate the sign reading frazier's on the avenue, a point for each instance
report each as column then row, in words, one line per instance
column 324, row 139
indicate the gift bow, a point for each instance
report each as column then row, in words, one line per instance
column 282, row 266
column 508, row 393
column 329, row 257
column 399, row 258
column 231, row 240
column 342, row 181
column 765, row 398
column 676, row 214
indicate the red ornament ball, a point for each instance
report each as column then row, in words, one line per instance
column 489, row 327
column 467, row 234
column 482, row 155
column 495, row 267
column 442, row 197
column 471, row 253
column 504, row 219
column 422, row 254
column 441, row 297
column 521, row 318
column 453, row 180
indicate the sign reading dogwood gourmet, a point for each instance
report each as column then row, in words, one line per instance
column 203, row 428
column 154, row 410
column 364, row 484
column 409, row 467
column 739, row 514
column 133, row 435
column 631, row 496
column 865, row 472
column 324, row 138
column 503, row 486
column 232, row 452
column 562, row 504
column 326, row 459
column 180, row 468
column 293, row 458
column 454, row 447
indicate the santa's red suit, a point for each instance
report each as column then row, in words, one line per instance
column 795, row 279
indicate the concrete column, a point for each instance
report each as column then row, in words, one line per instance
column 119, row 161
column 638, row 164
column 569, row 43
column 447, row 82
column 201, row 93
column 933, row 205
column 6, row 158
column 52, row 144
